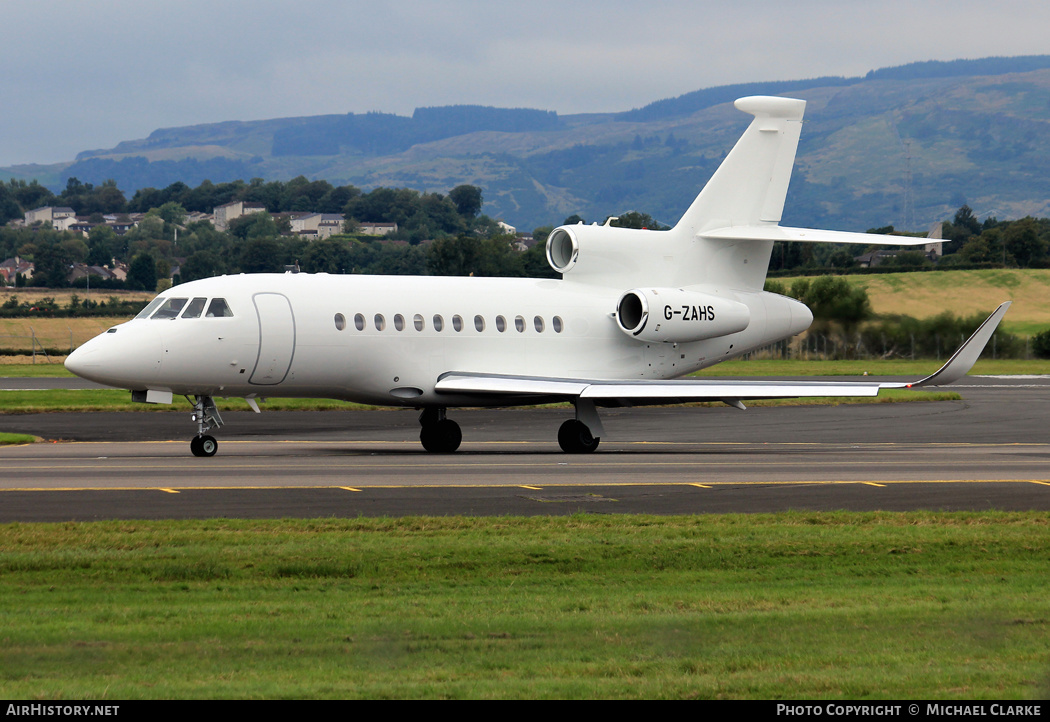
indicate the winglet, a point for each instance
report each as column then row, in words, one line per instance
column 964, row 358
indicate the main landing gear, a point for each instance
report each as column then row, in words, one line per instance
column 582, row 434
column 575, row 438
column 439, row 435
column 207, row 418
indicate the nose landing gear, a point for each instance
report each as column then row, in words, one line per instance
column 207, row 418
column 204, row 445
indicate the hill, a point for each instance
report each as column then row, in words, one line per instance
column 904, row 146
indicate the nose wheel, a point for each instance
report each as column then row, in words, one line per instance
column 207, row 418
column 204, row 446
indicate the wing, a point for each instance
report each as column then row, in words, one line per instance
column 640, row 392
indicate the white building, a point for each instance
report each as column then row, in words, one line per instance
column 318, row 225
column 48, row 214
column 231, row 211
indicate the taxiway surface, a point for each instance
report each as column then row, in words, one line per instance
column 988, row 451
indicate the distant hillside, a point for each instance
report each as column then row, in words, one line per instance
column 701, row 99
column 904, row 146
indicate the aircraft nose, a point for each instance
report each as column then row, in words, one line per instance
column 79, row 362
column 128, row 358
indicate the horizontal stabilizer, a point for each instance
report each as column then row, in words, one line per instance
column 807, row 235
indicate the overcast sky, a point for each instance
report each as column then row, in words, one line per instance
column 83, row 75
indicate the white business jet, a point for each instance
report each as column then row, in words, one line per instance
column 635, row 308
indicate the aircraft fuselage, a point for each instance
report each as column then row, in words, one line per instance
column 385, row 340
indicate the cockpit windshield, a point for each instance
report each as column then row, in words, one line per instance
column 194, row 308
column 218, row 308
column 144, row 313
column 170, row 309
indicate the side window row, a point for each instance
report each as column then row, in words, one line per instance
column 438, row 323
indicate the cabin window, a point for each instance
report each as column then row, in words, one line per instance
column 195, row 308
column 501, row 324
column 439, row 323
column 340, row 321
column 479, row 323
column 359, row 322
column 399, row 322
column 557, row 324
column 380, row 322
column 145, row 313
column 519, row 324
column 417, row 321
column 538, row 323
column 170, row 309
column 457, row 323
column 218, row 309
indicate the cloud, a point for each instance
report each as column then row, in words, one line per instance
column 80, row 77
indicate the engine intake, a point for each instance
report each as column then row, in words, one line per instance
column 562, row 249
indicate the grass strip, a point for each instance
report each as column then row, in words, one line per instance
column 796, row 606
column 41, row 401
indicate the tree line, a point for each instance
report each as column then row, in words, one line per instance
column 463, row 241
column 968, row 243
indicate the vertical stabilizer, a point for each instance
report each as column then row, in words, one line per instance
column 750, row 186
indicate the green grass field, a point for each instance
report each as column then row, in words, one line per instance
column 42, row 401
column 964, row 293
column 787, row 606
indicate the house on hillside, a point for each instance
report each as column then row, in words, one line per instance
column 318, row 225
column 48, row 214
column 932, row 250
column 82, row 270
column 224, row 214
column 10, row 269
column 376, row 229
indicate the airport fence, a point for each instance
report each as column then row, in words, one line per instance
column 818, row 346
column 48, row 340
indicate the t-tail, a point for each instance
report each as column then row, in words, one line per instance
column 726, row 236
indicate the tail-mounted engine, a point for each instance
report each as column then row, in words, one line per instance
column 563, row 250
column 607, row 255
column 673, row 315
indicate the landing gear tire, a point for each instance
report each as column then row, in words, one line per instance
column 206, row 416
column 204, row 446
column 441, row 437
column 575, row 438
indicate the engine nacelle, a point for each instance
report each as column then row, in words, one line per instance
column 673, row 315
column 563, row 250
column 607, row 255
